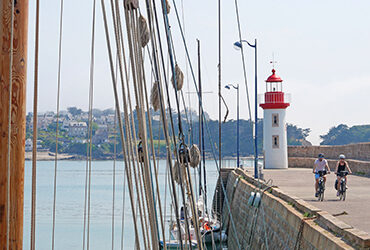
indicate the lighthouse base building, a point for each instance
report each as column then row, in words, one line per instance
column 274, row 103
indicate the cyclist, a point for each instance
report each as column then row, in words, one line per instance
column 320, row 165
column 342, row 165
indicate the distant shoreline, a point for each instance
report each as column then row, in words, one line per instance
column 49, row 156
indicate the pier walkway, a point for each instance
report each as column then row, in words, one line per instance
column 299, row 182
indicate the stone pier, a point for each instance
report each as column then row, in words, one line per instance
column 287, row 217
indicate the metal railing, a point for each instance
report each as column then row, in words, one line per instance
column 274, row 97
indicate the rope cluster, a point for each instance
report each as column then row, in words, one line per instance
column 194, row 156
column 144, row 31
column 131, row 4
column 175, row 170
column 179, row 78
column 168, row 7
column 154, row 96
column 137, row 169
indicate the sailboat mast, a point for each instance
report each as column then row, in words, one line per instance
column 200, row 118
column 15, row 58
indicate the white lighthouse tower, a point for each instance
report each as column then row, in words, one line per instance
column 274, row 103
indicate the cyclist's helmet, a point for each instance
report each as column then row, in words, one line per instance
column 321, row 155
column 342, row 156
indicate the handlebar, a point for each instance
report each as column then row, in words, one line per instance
column 321, row 172
column 342, row 173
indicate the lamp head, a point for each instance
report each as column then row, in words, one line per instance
column 227, row 87
column 238, row 45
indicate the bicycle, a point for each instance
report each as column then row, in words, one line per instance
column 343, row 185
column 321, row 187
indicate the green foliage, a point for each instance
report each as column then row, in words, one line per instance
column 342, row 134
column 74, row 111
column 95, row 127
column 191, row 132
column 159, row 143
column 360, row 173
column 296, row 135
column 307, row 215
column 229, row 135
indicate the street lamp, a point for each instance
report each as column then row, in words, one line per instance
column 237, row 120
column 238, row 45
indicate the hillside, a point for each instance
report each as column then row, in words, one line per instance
column 74, row 125
column 342, row 134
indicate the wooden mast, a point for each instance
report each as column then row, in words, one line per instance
column 18, row 121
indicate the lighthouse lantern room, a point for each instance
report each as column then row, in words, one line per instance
column 274, row 103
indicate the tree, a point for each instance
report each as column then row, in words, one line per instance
column 108, row 112
column 74, row 111
column 342, row 134
column 296, row 135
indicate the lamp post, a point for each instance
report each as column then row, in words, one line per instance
column 237, row 121
column 238, row 45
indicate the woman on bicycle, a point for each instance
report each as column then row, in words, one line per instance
column 342, row 165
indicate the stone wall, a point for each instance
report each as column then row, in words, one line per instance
column 357, row 167
column 275, row 224
column 358, row 156
column 358, row 151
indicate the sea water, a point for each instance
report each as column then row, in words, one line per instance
column 70, row 200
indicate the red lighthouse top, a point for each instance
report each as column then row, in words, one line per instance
column 273, row 77
column 274, row 97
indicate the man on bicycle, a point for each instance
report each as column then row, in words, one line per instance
column 320, row 165
column 342, row 165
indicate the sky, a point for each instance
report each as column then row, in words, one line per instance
column 321, row 48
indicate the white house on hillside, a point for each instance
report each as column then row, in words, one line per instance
column 77, row 129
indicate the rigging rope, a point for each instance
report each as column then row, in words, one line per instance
column 163, row 114
column 57, row 122
column 173, row 134
column 187, row 83
column 34, row 147
column 114, row 162
column 218, row 165
column 123, row 198
column 147, row 176
column 130, row 154
column 89, row 145
column 138, row 184
column 154, row 158
column 175, row 74
column 120, row 121
column 131, row 151
column 243, row 61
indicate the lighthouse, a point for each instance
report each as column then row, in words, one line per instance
column 274, row 103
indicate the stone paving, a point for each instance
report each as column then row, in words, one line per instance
column 299, row 182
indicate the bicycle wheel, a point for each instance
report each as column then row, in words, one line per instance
column 322, row 195
column 343, row 190
column 322, row 191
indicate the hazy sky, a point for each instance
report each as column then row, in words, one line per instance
column 322, row 49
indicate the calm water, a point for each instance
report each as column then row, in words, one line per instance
column 70, row 204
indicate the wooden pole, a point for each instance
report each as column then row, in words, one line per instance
column 18, row 121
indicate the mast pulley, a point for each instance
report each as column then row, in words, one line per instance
column 184, row 154
column 140, row 152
